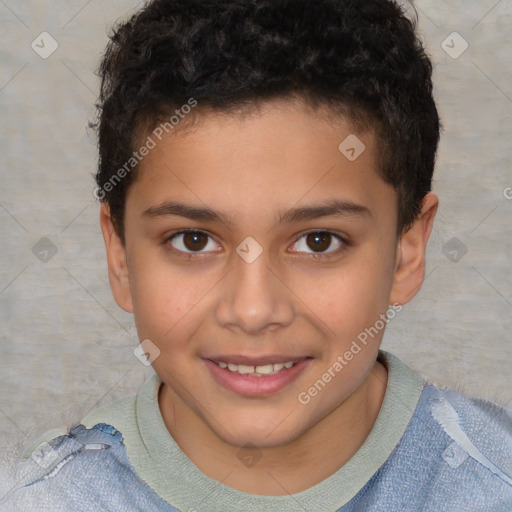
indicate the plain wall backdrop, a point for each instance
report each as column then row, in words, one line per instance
column 66, row 347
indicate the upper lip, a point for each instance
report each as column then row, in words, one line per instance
column 255, row 361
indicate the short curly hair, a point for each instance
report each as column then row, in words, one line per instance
column 360, row 58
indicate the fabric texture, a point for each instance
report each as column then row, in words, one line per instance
column 85, row 470
column 429, row 450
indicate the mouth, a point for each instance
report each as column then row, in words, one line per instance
column 256, row 377
column 256, row 371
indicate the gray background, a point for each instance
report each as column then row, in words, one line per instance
column 65, row 346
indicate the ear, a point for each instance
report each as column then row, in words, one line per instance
column 116, row 258
column 410, row 264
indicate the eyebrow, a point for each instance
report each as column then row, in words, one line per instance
column 332, row 208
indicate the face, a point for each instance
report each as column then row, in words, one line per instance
column 256, row 242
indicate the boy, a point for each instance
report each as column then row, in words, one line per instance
column 265, row 175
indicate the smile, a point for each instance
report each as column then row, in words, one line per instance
column 256, row 371
column 256, row 380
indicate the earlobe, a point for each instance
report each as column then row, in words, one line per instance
column 410, row 266
column 118, row 274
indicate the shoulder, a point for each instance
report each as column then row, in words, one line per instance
column 86, row 469
column 482, row 428
column 452, row 415
column 456, row 449
column 120, row 414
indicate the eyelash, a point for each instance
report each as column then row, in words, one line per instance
column 191, row 255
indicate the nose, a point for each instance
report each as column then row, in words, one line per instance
column 254, row 298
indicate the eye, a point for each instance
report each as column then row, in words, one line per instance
column 191, row 241
column 320, row 241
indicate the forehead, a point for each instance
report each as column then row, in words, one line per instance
column 282, row 153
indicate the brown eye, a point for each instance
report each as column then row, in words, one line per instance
column 191, row 241
column 195, row 241
column 318, row 242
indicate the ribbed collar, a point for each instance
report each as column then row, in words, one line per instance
column 164, row 466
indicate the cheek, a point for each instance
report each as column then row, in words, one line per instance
column 162, row 296
column 346, row 298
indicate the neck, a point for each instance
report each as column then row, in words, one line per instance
column 287, row 469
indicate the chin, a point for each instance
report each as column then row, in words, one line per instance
column 262, row 433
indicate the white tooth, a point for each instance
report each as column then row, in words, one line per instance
column 243, row 369
column 264, row 369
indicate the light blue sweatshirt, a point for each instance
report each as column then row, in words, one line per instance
column 429, row 450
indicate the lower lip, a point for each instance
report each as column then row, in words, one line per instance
column 256, row 386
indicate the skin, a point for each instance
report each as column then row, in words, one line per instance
column 297, row 298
